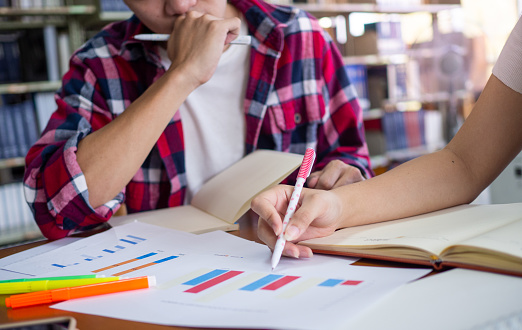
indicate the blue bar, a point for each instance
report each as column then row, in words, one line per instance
column 205, row 277
column 331, row 282
column 120, row 247
column 165, row 259
column 261, row 282
column 107, row 250
column 127, row 241
column 89, row 259
column 146, row 255
column 56, row 265
column 138, row 238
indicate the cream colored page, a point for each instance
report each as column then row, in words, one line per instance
column 228, row 194
column 184, row 218
column 431, row 232
column 506, row 239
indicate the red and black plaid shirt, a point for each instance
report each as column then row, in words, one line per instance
column 298, row 96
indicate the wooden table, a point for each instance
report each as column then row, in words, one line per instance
column 247, row 230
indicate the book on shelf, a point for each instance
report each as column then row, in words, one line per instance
column 359, row 79
column 16, row 219
column 33, row 55
column 379, row 38
column 17, row 121
column 224, row 198
column 45, row 105
column 18, row 131
column 113, row 5
column 482, row 237
column 29, row 119
column 10, row 67
column 8, row 138
column 404, row 129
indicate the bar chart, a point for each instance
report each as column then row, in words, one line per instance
column 219, row 282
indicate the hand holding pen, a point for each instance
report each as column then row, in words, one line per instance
column 304, row 172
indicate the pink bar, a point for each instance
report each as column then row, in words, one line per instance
column 280, row 282
column 214, row 281
column 351, row 282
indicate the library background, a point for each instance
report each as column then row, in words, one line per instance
column 418, row 67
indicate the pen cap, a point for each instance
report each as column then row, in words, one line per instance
column 306, row 165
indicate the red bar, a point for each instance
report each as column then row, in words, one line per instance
column 351, row 282
column 280, row 282
column 214, row 281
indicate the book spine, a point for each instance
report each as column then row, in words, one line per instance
column 30, row 128
column 51, row 52
column 4, row 76
column 45, row 106
column 10, row 149
column 19, row 129
column 12, row 59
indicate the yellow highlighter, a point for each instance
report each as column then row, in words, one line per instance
column 32, row 286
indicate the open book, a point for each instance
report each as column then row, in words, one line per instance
column 482, row 237
column 226, row 197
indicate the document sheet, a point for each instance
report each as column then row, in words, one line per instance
column 216, row 280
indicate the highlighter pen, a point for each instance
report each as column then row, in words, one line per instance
column 58, row 295
column 55, row 278
column 240, row 40
column 32, row 286
column 304, row 172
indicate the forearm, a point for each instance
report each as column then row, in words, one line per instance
column 425, row 184
column 111, row 156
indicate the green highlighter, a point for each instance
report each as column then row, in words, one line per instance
column 33, row 286
column 56, row 278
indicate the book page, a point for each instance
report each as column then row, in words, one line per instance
column 184, row 218
column 429, row 233
column 228, row 194
column 500, row 248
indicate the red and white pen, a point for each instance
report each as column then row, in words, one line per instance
column 304, row 172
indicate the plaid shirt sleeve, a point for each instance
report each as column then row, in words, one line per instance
column 311, row 102
column 341, row 135
column 54, row 184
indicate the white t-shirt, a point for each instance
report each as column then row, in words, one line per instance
column 213, row 118
column 508, row 67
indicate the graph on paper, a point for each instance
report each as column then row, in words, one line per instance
column 207, row 285
column 127, row 255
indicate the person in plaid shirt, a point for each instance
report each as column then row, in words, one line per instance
column 147, row 123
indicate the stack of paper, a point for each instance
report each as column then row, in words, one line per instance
column 215, row 280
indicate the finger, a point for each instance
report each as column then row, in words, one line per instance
column 291, row 250
column 297, row 251
column 271, row 206
column 350, row 175
column 330, row 174
column 312, row 180
column 265, row 233
column 302, row 217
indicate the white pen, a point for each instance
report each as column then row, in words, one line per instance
column 240, row 40
column 304, row 172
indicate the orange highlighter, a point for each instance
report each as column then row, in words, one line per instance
column 57, row 295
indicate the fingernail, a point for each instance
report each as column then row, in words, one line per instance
column 294, row 254
column 291, row 233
